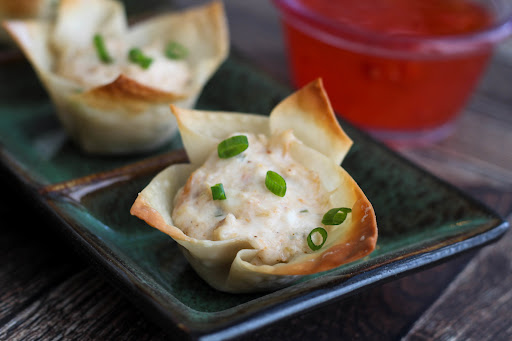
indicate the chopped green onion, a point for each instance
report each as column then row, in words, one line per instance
column 275, row 183
column 136, row 56
column 101, row 49
column 174, row 50
column 304, row 211
column 232, row 146
column 312, row 244
column 218, row 192
column 336, row 216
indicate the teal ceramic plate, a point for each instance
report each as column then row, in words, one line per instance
column 421, row 219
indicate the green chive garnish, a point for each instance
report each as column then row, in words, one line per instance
column 336, row 216
column 232, row 146
column 136, row 56
column 218, row 192
column 275, row 183
column 311, row 244
column 174, row 50
column 101, row 49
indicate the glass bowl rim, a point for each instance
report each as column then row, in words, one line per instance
column 372, row 42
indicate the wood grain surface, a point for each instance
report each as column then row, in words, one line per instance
column 477, row 305
column 48, row 292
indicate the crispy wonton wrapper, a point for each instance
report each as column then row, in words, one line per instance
column 123, row 116
column 225, row 265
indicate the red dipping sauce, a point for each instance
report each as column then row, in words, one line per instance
column 401, row 69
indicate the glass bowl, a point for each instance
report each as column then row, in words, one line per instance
column 402, row 86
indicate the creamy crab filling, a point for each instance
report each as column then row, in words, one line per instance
column 276, row 226
column 84, row 67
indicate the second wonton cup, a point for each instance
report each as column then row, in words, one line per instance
column 319, row 145
column 125, row 108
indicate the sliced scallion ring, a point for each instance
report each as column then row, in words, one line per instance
column 336, row 216
column 275, row 183
column 101, row 49
column 218, row 192
column 138, row 57
column 174, row 50
column 311, row 243
column 232, row 146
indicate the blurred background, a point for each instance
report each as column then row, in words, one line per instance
column 51, row 293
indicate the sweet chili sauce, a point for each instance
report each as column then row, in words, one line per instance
column 406, row 92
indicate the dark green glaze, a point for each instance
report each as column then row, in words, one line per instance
column 421, row 219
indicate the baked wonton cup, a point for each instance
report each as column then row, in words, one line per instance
column 226, row 264
column 123, row 114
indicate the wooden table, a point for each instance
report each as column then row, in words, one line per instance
column 48, row 292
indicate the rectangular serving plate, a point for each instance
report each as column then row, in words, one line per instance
column 421, row 219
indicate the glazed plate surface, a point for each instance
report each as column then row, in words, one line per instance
column 421, row 219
